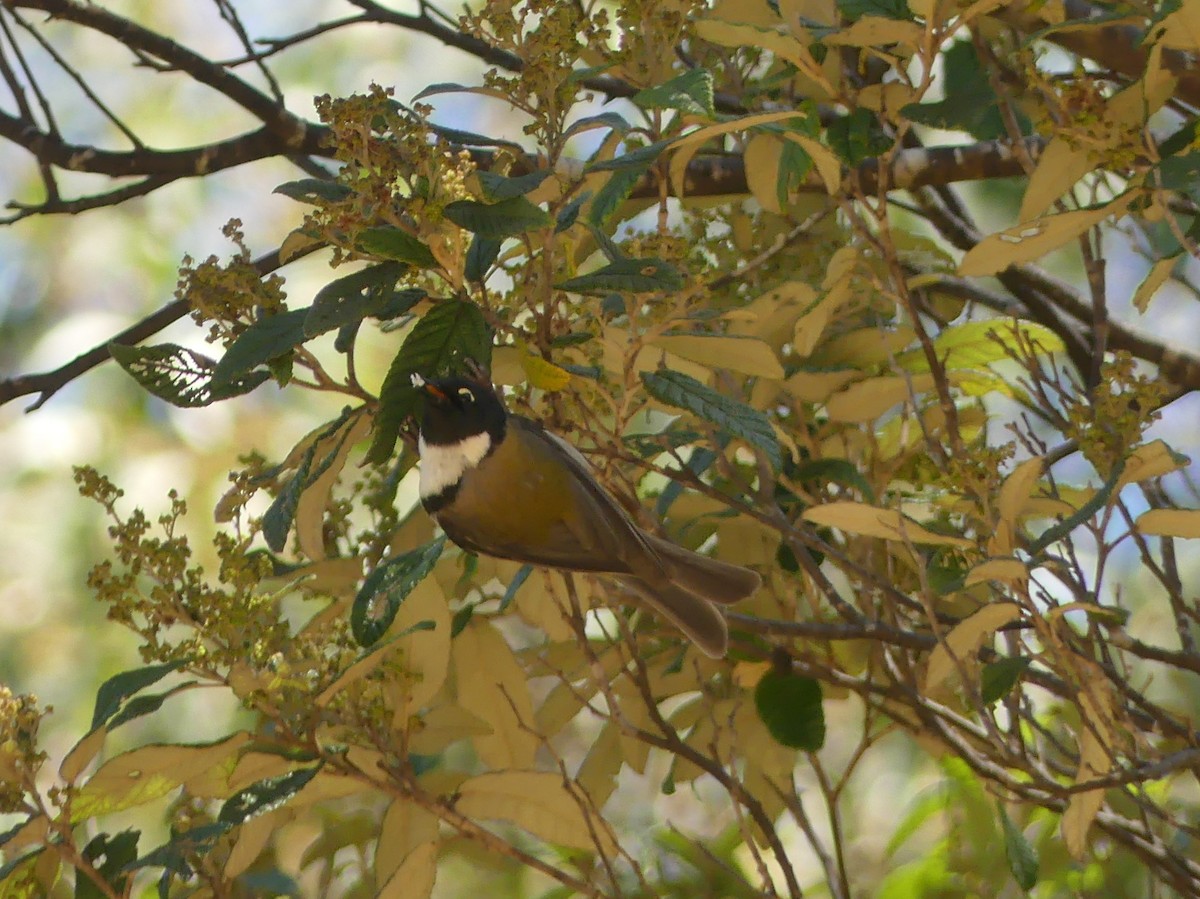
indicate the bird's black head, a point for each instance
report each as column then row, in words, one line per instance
column 457, row 408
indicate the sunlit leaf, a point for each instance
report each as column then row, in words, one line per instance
column 180, row 376
column 690, row 92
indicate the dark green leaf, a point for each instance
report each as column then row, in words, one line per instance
column 447, row 335
column 1022, row 858
column 507, row 218
column 461, row 618
column 268, row 883
column 173, row 855
column 1000, row 677
column 514, row 585
column 386, row 587
column 685, row 392
column 690, row 92
column 443, row 87
column 180, row 376
column 790, row 706
column 604, row 120
column 1181, row 173
column 970, row 104
column 629, row 275
column 569, row 213
column 271, row 337
column 640, row 157
column 121, row 686
column 470, row 138
column 1181, row 140
column 856, row 137
column 616, row 190
column 500, row 187
column 140, row 706
column 480, row 256
column 834, row 471
column 264, row 796
column 888, row 9
column 108, row 856
column 396, row 244
column 309, row 190
column 699, row 462
column 370, row 293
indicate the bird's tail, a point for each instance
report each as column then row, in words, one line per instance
column 711, row 579
column 698, row 618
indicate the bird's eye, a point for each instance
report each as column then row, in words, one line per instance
column 467, row 394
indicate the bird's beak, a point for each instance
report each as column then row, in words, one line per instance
column 434, row 391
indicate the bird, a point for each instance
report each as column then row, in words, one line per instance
column 502, row 485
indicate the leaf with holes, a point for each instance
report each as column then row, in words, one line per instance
column 180, row 376
column 627, row 275
column 387, row 587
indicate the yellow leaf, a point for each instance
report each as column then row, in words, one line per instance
column 1083, row 807
column 771, row 316
column 683, row 149
column 1016, row 489
column 871, row 521
column 310, row 510
column 818, row 386
column 735, row 34
column 812, row 324
column 1006, row 571
column 868, row 399
column 597, row 775
column 543, row 374
column 295, row 244
column 1032, row 240
column 405, row 827
column 1171, row 523
column 1061, row 164
column 1155, row 278
column 148, row 773
column 434, row 730
column 1181, row 29
column 492, row 686
column 964, row 640
column 252, row 837
column 741, row 354
column 864, row 347
column 415, row 876
column 537, row 802
column 539, row 601
column 248, row 769
column 1151, row 460
column 876, row 31
column 426, row 653
column 828, row 166
column 82, row 754
column 761, row 162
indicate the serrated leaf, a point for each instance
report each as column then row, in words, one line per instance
column 685, row 392
column 264, row 796
column 271, row 337
column 790, row 707
column 998, row 678
column 309, row 190
column 450, row 333
column 569, row 213
column 616, row 190
column 627, row 275
column 121, row 686
column 970, row 104
column 502, row 187
column 180, row 376
column 369, row 293
column 690, row 92
column 386, row 587
column 396, row 244
column 508, row 218
column 1022, row 858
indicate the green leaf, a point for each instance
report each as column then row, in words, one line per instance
column 386, row 587
column 268, row 338
column 180, row 376
column 508, row 218
column 888, row 9
column 1022, row 858
column 121, row 686
column 514, row 585
column 480, row 256
column 264, row 796
column 370, row 293
column 447, row 335
column 856, row 137
column 501, row 187
column 108, row 856
column 610, row 120
column 569, row 213
column 834, row 471
column 998, row 678
column 685, row 392
column 629, row 275
column 970, row 104
column 616, row 190
column 396, row 244
column 310, row 190
column 690, row 92
column 974, row 345
column 642, row 156
column 790, row 706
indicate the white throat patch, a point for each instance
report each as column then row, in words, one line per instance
column 444, row 466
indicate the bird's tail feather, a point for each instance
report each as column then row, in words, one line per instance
column 712, row 579
column 698, row 618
